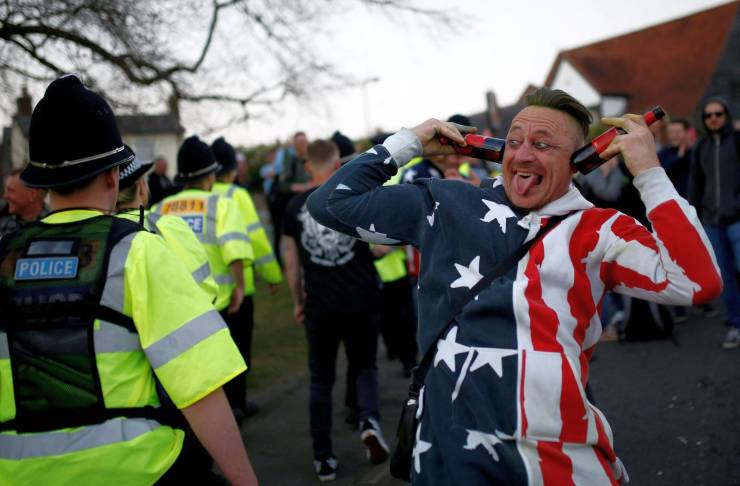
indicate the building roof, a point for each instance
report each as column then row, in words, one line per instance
column 682, row 53
column 149, row 124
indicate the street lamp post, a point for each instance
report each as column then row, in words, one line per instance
column 365, row 104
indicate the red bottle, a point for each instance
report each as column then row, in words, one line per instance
column 587, row 158
column 480, row 147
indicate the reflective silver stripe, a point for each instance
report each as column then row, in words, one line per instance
column 4, row 350
column 254, row 227
column 202, row 272
column 210, row 235
column 233, row 236
column 224, row 279
column 112, row 338
column 83, row 160
column 152, row 219
column 184, row 338
column 265, row 259
column 113, row 291
column 230, row 191
column 27, row 446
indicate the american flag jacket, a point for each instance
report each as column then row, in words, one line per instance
column 504, row 400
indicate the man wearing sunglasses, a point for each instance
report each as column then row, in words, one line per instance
column 714, row 190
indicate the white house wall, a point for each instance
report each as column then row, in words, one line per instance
column 570, row 80
column 165, row 145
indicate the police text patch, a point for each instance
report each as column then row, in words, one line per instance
column 46, row 268
column 195, row 223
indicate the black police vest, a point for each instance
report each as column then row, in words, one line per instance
column 52, row 278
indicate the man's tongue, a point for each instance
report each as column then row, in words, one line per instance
column 523, row 183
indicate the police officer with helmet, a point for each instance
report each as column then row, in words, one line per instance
column 94, row 312
column 218, row 224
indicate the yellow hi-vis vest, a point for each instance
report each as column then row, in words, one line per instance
column 392, row 265
column 183, row 242
column 265, row 262
column 177, row 331
column 216, row 222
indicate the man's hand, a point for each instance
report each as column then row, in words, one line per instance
column 298, row 313
column 237, row 296
column 429, row 134
column 637, row 146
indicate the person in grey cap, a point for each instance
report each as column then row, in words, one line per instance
column 95, row 316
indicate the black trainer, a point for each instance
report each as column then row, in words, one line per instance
column 372, row 438
column 326, row 470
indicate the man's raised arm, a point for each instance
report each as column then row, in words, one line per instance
column 673, row 265
column 355, row 202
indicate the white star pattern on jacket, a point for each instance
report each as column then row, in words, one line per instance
column 499, row 212
column 373, row 236
column 448, row 348
column 419, row 448
column 430, row 218
column 469, row 276
column 409, row 176
column 488, row 441
column 491, row 357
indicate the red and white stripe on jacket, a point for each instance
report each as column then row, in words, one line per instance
column 557, row 296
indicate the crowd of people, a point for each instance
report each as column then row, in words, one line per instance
column 119, row 285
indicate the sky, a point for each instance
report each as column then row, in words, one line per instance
column 416, row 74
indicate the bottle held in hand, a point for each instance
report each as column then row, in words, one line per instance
column 480, row 147
column 587, row 158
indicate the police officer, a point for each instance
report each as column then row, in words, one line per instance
column 264, row 263
column 217, row 223
column 93, row 313
column 133, row 196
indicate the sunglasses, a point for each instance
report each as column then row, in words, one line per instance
column 717, row 114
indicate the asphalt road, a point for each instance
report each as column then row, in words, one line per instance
column 675, row 412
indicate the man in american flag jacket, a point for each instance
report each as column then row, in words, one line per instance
column 504, row 400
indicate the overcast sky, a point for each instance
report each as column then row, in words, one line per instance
column 419, row 73
column 501, row 46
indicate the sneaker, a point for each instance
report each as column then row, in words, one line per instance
column 732, row 340
column 610, row 334
column 326, row 470
column 377, row 449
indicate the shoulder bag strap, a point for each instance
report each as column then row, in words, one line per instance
column 500, row 269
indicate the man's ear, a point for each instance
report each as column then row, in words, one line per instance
column 111, row 178
column 309, row 170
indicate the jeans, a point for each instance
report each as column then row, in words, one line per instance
column 726, row 243
column 324, row 332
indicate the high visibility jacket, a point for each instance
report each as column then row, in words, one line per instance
column 217, row 223
column 183, row 242
column 392, row 265
column 265, row 262
column 176, row 330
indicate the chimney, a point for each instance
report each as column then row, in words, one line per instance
column 174, row 103
column 494, row 116
column 24, row 104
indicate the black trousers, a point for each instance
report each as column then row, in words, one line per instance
column 397, row 321
column 359, row 333
column 241, row 325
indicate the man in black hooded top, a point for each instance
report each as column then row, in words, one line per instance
column 714, row 190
